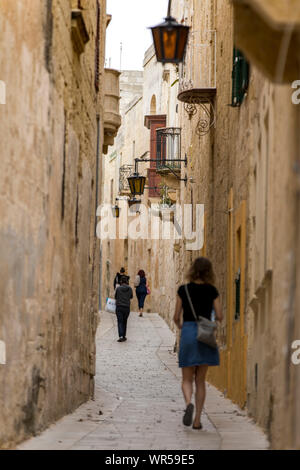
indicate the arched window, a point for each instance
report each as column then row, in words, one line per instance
column 153, row 105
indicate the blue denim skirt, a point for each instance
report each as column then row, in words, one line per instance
column 194, row 353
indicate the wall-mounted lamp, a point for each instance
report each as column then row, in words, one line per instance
column 134, row 205
column 136, row 184
column 116, row 211
column 170, row 39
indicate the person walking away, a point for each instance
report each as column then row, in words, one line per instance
column 123, row 296
column 141, row 289
column 194, row 356
column 117, row 279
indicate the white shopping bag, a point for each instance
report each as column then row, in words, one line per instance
column 110, row 306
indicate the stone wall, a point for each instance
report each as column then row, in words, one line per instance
column 244, row 174
column 273, row 381
column 244, row 171
column 49, row 255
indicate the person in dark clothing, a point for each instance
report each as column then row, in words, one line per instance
column 117, row 279
column 123, row 296
column 141, row 289
column 194, row 356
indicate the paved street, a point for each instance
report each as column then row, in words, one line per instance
column 138, row 402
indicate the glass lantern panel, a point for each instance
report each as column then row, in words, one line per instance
column 169, row 42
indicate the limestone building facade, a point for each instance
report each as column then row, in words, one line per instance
column 239, row 131
column 53, row 127
column 148, row 109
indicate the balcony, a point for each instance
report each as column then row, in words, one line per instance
column 197, row 79
column 124, row 172
column 112, row 118
column 168, row 150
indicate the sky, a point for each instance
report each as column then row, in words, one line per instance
column 130, row 19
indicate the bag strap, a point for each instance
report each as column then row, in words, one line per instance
column 190, row 302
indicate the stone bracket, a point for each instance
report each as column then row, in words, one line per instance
column 80, row 35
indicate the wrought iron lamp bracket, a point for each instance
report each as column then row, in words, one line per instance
column 175, row 174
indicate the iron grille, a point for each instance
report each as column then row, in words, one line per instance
column 125, row 172
column 168, row 148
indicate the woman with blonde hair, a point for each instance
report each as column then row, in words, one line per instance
column 199, row 297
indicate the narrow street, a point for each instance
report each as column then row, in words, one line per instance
column 138, row 402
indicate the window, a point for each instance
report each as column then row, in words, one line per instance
column 237, row 280
column 238, row 295
column 240, row 78
column 153, row 105
column 168, row 147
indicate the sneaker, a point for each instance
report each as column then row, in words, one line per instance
column 120, row 340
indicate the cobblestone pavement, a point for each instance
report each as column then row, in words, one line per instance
column 138, row 402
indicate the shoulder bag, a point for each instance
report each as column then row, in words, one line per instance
column 206, row 328
column 110, row 306
column 137, row 281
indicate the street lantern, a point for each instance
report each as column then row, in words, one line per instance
column 137, row 184
column 134, row 205
column 116, row 211
column 170, row 40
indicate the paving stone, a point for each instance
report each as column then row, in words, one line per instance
column 138, row 390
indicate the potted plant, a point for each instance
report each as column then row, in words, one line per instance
column 165, row 206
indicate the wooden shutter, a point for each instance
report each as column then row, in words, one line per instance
column 153, row 183
column 240, row 77
column 238, row 295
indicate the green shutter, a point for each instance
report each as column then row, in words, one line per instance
column 240, row 77
column 238, row 295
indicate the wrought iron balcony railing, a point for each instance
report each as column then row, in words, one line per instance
column 124, row 172
column 168, row 148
